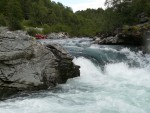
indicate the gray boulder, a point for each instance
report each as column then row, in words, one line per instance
column 61, row 35
column 108, row 40
column 26, row 65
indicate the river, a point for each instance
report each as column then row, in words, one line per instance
column 114, row 79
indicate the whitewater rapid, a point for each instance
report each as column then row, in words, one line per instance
column 113, row 80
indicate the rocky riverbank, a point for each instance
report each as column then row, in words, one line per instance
column 61, row 35
column 138, row 35
column 128, row 35
column 26, row 65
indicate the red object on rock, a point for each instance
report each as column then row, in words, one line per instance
column 40, row 36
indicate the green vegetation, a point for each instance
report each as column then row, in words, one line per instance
column 33, row 31
column 14, row 14
column 55, row 17
column 2, row 20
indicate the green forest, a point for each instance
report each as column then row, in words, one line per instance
column 55, row 17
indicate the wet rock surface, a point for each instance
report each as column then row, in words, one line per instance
column 26, row 65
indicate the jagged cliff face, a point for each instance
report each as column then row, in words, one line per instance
column 28, row 65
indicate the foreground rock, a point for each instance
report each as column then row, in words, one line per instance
column 26, row 65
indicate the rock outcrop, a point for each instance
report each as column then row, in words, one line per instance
column 128, row 35
column 26, row 65
column 61, row 35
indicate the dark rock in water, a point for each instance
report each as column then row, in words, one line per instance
column 26, row 65
column 146, row 47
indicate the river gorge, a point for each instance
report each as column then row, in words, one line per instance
column 113, row 79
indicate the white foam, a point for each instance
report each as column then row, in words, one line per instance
column 118, row 89
column 128, row 75
column 89, row 72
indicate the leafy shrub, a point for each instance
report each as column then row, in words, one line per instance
column 61, row 28
column 47, row 29
column 15, row 25
column 33, row 31
column 2, row 20
column 27, row 23
column 14, row 15
column 126, row 28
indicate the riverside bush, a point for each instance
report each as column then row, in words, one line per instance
column 47, row 29
column 3, row 21
column 33, row 31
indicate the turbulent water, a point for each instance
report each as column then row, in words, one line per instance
column 114, row 79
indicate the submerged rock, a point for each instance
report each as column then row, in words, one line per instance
column 26, row 65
